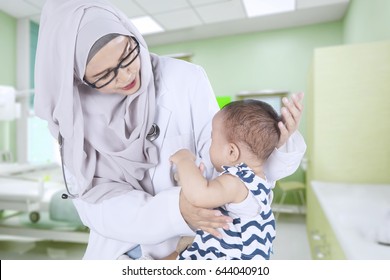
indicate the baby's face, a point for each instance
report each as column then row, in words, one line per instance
column 219, row 149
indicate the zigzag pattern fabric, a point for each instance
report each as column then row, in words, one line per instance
column 252, row 232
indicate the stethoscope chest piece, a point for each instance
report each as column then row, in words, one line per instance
column 154, row 132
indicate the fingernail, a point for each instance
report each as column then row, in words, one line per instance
column 218, row 213
column 285, row 100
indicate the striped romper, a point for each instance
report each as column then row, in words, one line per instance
column 252, row 231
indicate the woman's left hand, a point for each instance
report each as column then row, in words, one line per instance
column 291, row 116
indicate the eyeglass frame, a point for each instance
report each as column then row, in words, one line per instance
column 116, row 69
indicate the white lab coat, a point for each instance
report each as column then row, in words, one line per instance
column 185, row 107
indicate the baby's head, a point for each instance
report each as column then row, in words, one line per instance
column 250, row 125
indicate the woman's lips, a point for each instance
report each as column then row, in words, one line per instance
column 130, row 86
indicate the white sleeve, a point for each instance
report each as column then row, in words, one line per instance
column 285, row 160
column 204, row 107
column 136, row 217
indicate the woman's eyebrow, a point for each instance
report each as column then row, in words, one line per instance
column 120, row 58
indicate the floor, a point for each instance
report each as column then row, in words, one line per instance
column 291, row 241
column 290, row 244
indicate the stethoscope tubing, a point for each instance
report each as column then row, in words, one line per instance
column 69, row 194
column 153, row 134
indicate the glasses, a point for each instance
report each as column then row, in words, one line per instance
column 111, row 75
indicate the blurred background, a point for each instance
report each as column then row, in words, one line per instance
column 336, row 51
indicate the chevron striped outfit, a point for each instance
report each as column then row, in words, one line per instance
column 250, row 235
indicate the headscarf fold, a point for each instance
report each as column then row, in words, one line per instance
column 105, row 145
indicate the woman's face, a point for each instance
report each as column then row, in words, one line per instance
column 116, row 54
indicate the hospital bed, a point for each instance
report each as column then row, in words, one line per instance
column 21, row 195
column 35, row 190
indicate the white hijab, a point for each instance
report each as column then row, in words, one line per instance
column 105, row 145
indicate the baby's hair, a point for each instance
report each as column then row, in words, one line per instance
column 253, row 123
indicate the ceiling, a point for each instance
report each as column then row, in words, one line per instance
column 186, row 20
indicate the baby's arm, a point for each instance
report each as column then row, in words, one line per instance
column 201, row 192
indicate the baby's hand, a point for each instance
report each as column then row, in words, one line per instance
column 180, row 155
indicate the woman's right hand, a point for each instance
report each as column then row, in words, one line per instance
column 291, row 115
column 204, row 219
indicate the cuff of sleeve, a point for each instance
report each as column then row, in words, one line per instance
column 294, row 145
column 286, row 160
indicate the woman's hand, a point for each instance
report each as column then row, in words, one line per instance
column 204, row 219
column 291, row 116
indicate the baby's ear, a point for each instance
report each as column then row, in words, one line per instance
column 234, row 152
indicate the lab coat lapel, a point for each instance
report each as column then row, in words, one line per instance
column 162, row 118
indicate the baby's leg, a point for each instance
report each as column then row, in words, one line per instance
column 184, row 243
column 172, row 256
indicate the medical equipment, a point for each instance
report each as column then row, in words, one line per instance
column 9, row 109
column 61, row 145
column 21, row 195
column 20, row 190
column 153, row 134
column 15, row 193
column 34, row 189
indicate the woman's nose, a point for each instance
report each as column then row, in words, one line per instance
column 123, row 75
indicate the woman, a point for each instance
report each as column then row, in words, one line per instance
column 103, row 95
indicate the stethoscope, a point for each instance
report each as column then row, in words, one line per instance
column 153, row 134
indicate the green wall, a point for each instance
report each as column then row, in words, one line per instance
column 280, row 59
column 264, row 60
column 7, row 49
column 8, row 27
column 277, row 59
column 367, row 21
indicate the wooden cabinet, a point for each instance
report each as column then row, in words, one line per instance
column 322, row 240
column 348, row 127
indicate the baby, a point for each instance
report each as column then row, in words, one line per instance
column 244, row 134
